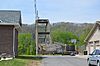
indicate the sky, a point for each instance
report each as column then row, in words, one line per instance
column 76, row 11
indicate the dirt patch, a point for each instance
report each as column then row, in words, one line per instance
column 34, row 63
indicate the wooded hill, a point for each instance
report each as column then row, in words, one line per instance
column 61, row 32
column 76, row 28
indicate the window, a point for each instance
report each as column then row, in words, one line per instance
column 1, row 21
column 96, row 41
column 97, row 52
column 97, row 45
column 93, row 53
column 91, row 42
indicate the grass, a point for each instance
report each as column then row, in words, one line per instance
column 30, row 57
column 20, row 61
column 15, row 62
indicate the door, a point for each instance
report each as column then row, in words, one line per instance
column 91, row 49
column 97, row 44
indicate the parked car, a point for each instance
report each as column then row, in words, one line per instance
column 72, row 54
column 94, row 58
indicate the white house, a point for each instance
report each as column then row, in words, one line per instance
column 93, row 38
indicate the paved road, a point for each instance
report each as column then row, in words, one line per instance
column 64, row 61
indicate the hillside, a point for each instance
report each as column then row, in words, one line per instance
column 76, row 28
column 27, row 28
column 79, row 30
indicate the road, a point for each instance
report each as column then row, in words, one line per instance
column 64, row 61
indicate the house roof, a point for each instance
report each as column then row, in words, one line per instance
column 10, row 16
column 92, row 30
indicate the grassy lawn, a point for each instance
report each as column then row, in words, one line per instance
column 21, row 61
column 15, row 62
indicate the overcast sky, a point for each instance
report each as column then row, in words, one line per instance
column 79, row 11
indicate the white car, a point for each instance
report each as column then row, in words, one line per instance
column 94, row 58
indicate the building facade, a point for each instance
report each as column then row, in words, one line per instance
column 93, row 38
column 10, row 24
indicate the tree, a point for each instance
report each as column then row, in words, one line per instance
column 26, row 44
column 63, row 37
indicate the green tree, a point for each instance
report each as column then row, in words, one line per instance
column 26, row 44
column 63, row 37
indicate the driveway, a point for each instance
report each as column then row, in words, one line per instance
column 64, row 61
